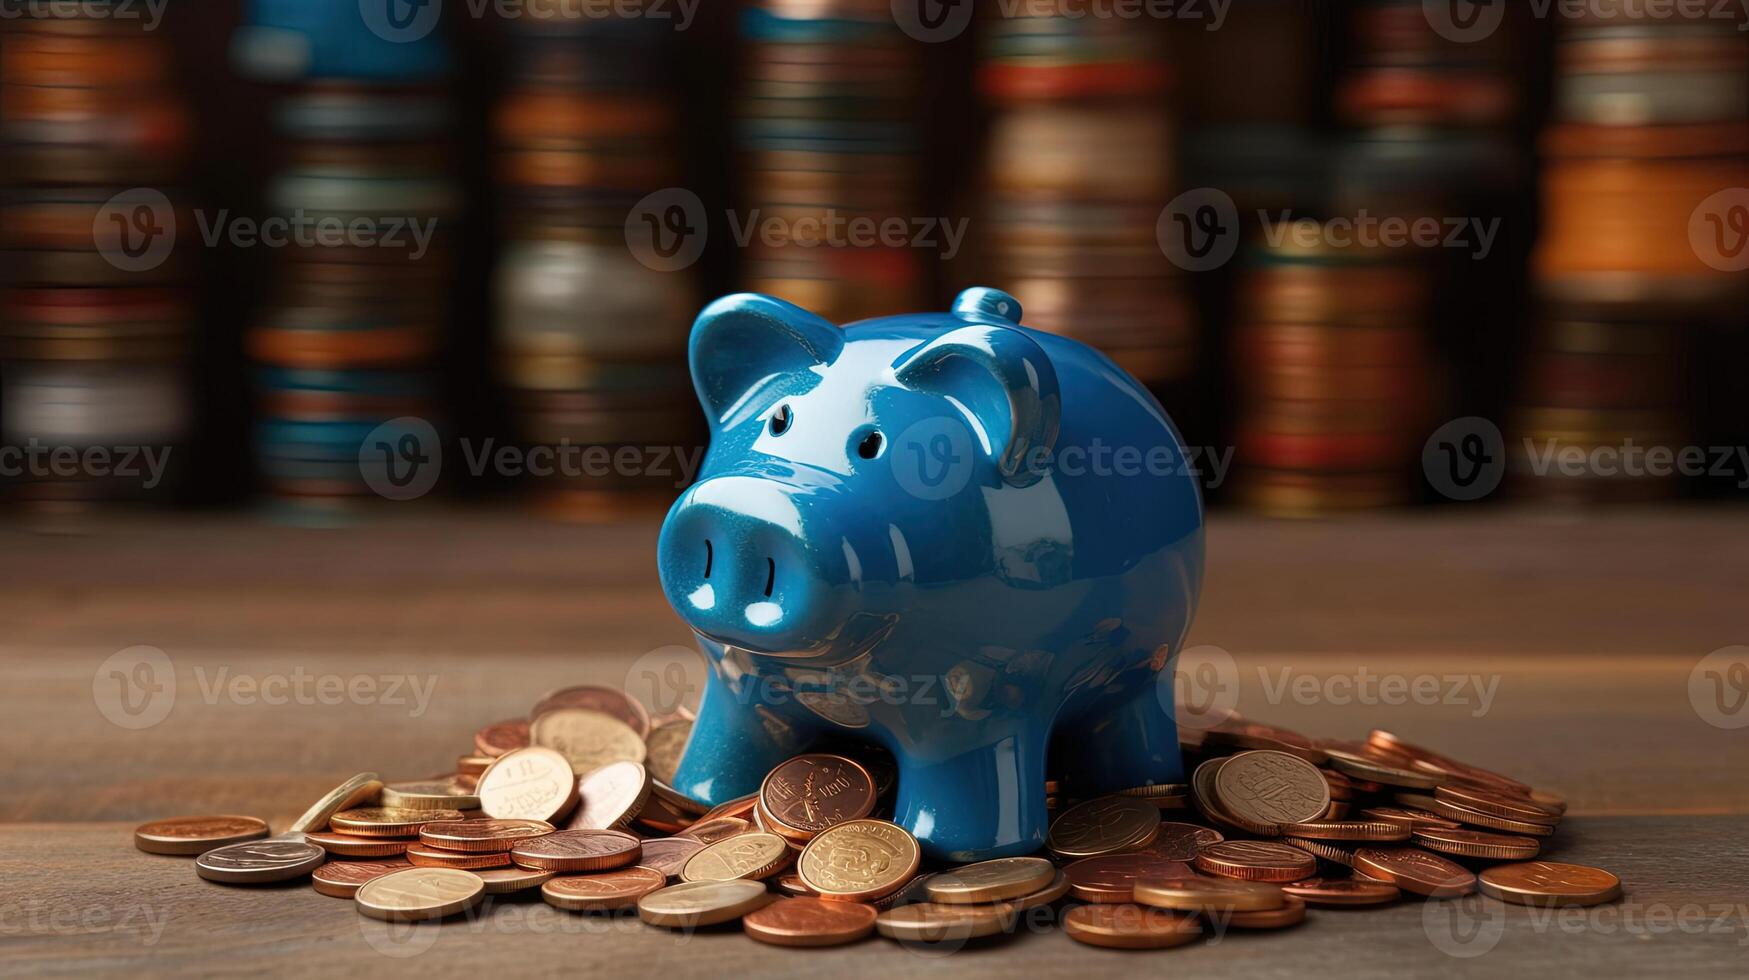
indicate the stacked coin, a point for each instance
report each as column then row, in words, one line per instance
column 1282, row 822
column 1639, row 228
column 829, row 154
column 1080, row 161
column 94, row 318
column 591, row 335
column 1331, row 361
column 360, row 213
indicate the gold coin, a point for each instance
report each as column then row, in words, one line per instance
column 756, row 855
column 1130, row 927
column 387, row 821
column 860, row 860
column 702, row 903
column 528, row 784
column 611, row 796
column 587, row 739
column 991, row 881
column 1104, row 826
column 927, row 922
column 430, row 794
column 419, row 894
column 1263, row 789
column 1195, row 894
column 358, row 789
column 664, row 748
column 503, row 881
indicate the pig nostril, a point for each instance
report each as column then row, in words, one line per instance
column 709, row 557
column 770, row 575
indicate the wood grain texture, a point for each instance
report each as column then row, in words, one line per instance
column 1559, row 652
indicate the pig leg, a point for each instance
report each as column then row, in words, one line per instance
column 1122, row 744
column 986, row 802
column 734, row 744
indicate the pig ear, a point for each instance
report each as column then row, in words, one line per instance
column 741, row 342
column 1006, row 380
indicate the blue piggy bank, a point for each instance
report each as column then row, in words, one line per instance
column 971, row 542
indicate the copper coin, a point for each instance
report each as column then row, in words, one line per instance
column 1361, row 766
column 387, row 821
column 790, row 884
column 1255, row 860
column 1181, row 841
column 528, row 784
column 1104, row 826
column 1547, row 883
column 1477, row 818
column 1194, row 893
column 678, row 800
column 602, row 892
column 713, row 829
column 810, row 922
column 611, row 796
column 500, row 737
column 350, row 846
column 740, row 807
column 1476, row 844
column 488, row 835
column 359, row 789
column 1263, row 789
column 596, row 698
column 1131, row 926
column 810, row 793
column 1497, row 804
column 437, row 857
column 1341, row 893
column 662, row 817
column 441, row 793
column 578, row 851
column 1363, row 830
column 1291, row 913
column 669, row 854
column 260, row 861
column 472, row 765
column 1334, row 853
column 1409, row 817
column 1058, row 887
column 1208, row 802
column 504, row 881
column 1111, row 878
column 341, row 879
column 196, row 835
column 1415, row 870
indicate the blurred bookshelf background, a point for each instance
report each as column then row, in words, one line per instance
column 548, row 192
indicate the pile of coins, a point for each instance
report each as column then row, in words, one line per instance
column 1331, row 357
column 1080, row 159
column 1650, row 129
column 827, row 139
column 362, row 260
column 94, row 320
column 591, row 335
column 574, row 802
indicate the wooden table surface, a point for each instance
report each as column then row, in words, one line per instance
column 1560, row 650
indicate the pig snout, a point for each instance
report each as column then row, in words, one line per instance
column 745, row 562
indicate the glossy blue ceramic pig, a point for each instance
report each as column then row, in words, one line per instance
column 966, row 540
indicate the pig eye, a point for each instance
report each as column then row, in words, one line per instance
column 781, row 419
column 870, row 446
